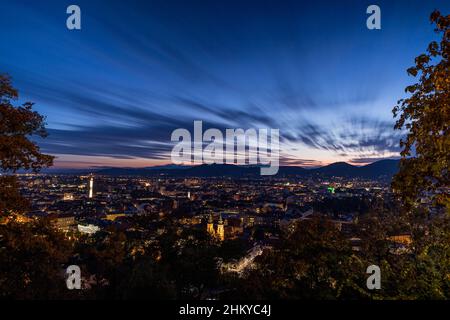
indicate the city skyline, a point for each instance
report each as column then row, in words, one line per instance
column 114, row 91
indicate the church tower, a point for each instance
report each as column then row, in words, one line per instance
column 220, row 229
column 210, row 226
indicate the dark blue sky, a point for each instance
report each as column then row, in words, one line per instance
column 114, row 91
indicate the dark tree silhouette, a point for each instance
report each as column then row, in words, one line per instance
column 425, row 115
column 17, row 151
column 32, row 256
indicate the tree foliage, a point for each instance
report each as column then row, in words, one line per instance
column 10, row 198
column 32, row 256
column 17, row 124
column 315, row 261
column 425, row 115
column 17, row 150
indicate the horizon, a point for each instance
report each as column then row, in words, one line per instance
column 93, row 169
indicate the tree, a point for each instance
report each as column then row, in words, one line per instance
column 17, row 151
column 147, row 280
column 32, row 256
column 10, row 198
column 425, row 115
column 418, row 270
column 315, row 261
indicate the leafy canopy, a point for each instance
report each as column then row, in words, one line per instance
column 17, row 150
column 425, row 115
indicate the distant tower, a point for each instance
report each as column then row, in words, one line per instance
column 220, row 229
column 210, row 226
column 91, row 187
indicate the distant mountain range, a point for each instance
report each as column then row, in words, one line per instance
column 383, row 169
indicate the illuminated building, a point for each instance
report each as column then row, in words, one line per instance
column 64, row 222
column 404, row 239
column 114, row 216
column 220, row 229
column 91, row 187
column 68, row 197
column 220, row 232
column 210, row 226
column 88, row 229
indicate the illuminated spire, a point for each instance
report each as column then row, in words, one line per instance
column 220, row 229
column 210, row 226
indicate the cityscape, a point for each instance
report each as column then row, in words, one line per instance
column 226, row 208
column 244, row 218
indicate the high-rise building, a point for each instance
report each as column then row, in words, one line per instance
column 91, row 187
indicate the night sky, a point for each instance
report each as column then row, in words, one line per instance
column 114, row 91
